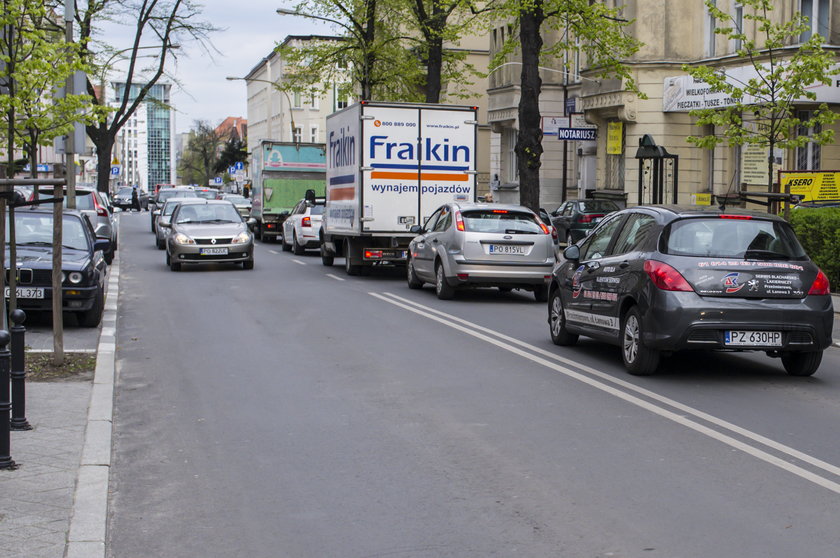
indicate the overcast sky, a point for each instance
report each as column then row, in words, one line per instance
column 250, row 31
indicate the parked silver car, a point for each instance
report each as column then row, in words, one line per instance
column 482, row 245
column 161, row 232
column 208, row 231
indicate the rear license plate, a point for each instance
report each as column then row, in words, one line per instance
column 753, row 338
column 214, row 251
column 27, row 292
column 507, row 249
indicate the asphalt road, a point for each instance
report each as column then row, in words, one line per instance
column 293, row 411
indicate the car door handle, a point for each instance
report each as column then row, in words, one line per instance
column 624, row 264
column 592, row 266
column 435, row 241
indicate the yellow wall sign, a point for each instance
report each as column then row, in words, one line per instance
column 615, row 138
column 701, row 199
column 811, row 185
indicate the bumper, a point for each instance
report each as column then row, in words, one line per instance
column 75, row 299
column 465, row 272
column 197, row 253
column 689, row 321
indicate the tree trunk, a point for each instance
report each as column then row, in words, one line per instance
column 434, row 69
column 104, row 151
column 529, row 137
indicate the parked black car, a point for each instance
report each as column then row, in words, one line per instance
column 122, row 198
column 660, row 279
column 83, row 264
column 575, row 218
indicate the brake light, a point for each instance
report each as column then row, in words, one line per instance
column 820, row 286
column 306, row 222
column 101, row 211
column 743, row 217
column 459, row 221
column 589, row 217
column 666, row 277
column 373, row 254
column 500, row 211
column 554, row 236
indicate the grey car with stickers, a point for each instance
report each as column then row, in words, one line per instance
column 660, row 279
column 481, row 245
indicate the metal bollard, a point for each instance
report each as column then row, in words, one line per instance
column 18, row 373
column 5, row 405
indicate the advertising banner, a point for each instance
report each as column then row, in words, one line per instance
column 811, row 185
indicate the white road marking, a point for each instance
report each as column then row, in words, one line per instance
column 299, row 262
column 474, row 330
column 336, row 277
column 274, row 251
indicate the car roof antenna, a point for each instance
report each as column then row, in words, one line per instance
column 726, row 196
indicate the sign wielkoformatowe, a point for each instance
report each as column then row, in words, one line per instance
column 685, row 93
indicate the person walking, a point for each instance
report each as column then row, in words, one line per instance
column 135, row 199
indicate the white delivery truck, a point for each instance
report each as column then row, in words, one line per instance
column 389, row 166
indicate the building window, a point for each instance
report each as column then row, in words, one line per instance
column 807, row 156
column 296, row 103
column 314, row 101
column 711, row 23
column 817, row 12
column 738, row 22
column 297, row 134
column 511, row 166
column 313, row 134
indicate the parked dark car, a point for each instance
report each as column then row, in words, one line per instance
column 575, row 218
column 660, row 279
column 122, row 198
column 83, row 264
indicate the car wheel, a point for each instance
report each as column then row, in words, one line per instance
column 638, row 359
column 799, row 363
column 444, row 290
column 557, row 322
column 92, row 317
column 159, row 243
column 414, row 282
column 108, row 257
column 541, row 293
column 286, row 247
column 248, row 264
column 174, row 266
column 349, row 266
column 296, row 247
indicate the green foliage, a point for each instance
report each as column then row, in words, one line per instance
column 235, row 151
column 763, row 109
column 818, row 231
column 198, row 162
column 38, row 66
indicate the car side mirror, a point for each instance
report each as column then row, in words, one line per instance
column 415, row 229
column 102, row 245
column 251, row 221
column 572, row 253
column 165, row 224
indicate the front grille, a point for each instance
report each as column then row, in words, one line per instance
column 209, row 241
column 704, row 336
column 24, row 276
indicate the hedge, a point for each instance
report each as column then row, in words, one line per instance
column 818, row 229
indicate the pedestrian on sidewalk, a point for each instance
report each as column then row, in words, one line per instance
column 135, row 199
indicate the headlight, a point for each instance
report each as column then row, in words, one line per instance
column 241, row 238
column 181, row 238
column 75, row 277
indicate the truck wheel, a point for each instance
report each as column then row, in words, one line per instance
column 326, row 259
column 349, row 266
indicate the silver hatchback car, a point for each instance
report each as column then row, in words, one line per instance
column 482, row 245
column 208, row 231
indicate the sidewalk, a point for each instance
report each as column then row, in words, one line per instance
column 54, row 504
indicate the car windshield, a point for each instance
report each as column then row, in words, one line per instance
column 169, row 208
column 206, row 194
column 597, row 206
column 124, row 192
column 742, row 238
column 208, row 213
column 36, row 229
column 501, row 221
column 84, row 200
column 164, row 195
column 236, row 199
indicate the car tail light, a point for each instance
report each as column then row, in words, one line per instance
column 554, row 235
column 101, row 211
column 589, row 217
column 820, row 286
column 373, row 254
column 270, row 225
column 306, row 222
column 500, row 211
column 463, row 276
column 666, row 277
column 744, row 217
column 544, row 228
column 459, row 221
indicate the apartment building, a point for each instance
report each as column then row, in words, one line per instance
column 673, row 34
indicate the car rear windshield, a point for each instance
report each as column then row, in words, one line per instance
column 164, row 195
column 501, row 221
column 730, row 237
column 597, row 206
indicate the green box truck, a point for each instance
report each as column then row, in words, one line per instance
column 282, row 173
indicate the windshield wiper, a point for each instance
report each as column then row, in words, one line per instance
column 764, row 255
column 35, row 243
column 216, row 221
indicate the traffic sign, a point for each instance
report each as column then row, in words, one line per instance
column 116, row 170
column 217, row 180
column 239, row 165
